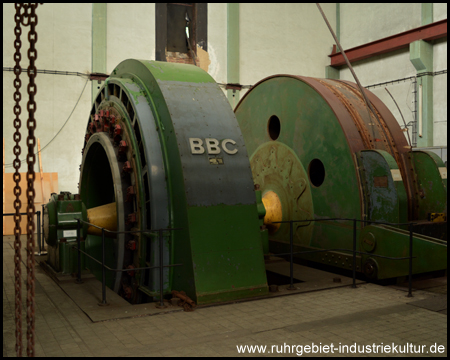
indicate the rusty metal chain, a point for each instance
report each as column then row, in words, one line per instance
column 27, row 17
column 17, row 190
column 31, row 160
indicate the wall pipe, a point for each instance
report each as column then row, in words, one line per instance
column 233, row 51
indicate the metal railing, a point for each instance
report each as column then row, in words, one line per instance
column 354, row 251
column 105, row 267
column 40, row 239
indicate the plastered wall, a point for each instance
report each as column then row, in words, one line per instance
column 363, row 23
column 274, row 39
column 130, row 33
column 64, row 44
column 284, row 39
column 217, row 41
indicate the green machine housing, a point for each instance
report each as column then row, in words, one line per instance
column 314, row 143
column 60, row 231
column 164, row 149
column 163, row 144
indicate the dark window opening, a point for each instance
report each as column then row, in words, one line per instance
column 170, row 28
column 176, row 27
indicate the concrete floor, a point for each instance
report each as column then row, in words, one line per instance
column 319, row 314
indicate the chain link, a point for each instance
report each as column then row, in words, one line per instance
column 31, row 160
column 17, row 190
column 25, row 16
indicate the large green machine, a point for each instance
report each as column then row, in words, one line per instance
column 314, row 143
column 163, row 144
column 164, row 150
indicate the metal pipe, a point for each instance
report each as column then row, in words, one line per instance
column 354, row 254
column 340, row 219
column 38, row 213
column 410, row 259
column 134, row 269
column 339, row 249
column 43, row 242
column 404, row 122
column 291, row 239
column 233, row 51
column 78, row 281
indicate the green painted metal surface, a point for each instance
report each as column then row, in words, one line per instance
column 276, row 168
column 384, row 197
column 421, row 56
column 99, row 41
column 227, row 253
column 68, row 257
column 332, row 72
column 60, row 231
column 215, row 206
column 432, row 187
column 427, row 13
column 310, row 130
column 430, row 253
column 348, row 169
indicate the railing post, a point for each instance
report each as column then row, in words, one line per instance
column 78, row 280
column 103, row 270
column 410, row 259
column 38, row 213
column 354, row 254
column 291, row 239
column 42, row 229
column 161, row 270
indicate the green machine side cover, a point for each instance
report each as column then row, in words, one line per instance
column 190, row 171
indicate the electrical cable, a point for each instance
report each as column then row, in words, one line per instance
column 398, row 107
column 87, row 80
column 50, row 72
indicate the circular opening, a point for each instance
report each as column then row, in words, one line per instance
column 316, row 172
column 97, row 185
column 274, row 127
column 101, row 182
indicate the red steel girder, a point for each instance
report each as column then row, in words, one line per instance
column 428, row 32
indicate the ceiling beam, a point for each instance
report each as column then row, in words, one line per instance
column 428, row 32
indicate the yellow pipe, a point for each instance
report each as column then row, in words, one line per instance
column 104, row 216
column 274, row 212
